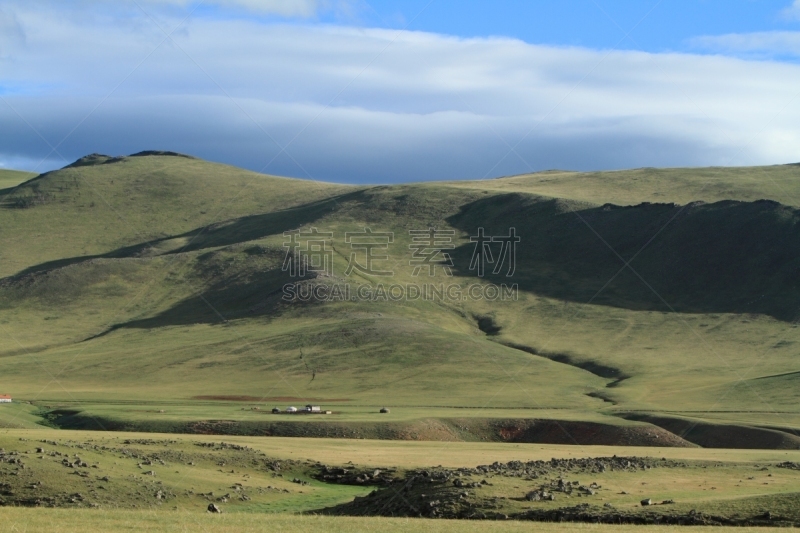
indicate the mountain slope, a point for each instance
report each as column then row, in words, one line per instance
column 125, row 276
column 100, row 204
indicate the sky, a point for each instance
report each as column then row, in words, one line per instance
column 384, row 91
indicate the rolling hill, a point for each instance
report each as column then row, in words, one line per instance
column 11, row 178
column 643, row 299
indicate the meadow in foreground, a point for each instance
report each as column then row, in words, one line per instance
column 179, row 476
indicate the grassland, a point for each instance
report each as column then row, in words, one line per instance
column 11, row 178
column 79, row 521
column 166, row 481
column 655, row 185
column 133, row 287
column 414, row 454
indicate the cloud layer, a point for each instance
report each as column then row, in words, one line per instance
column 369, row 105
column 285, row 8
column 766, row 45
column 792, row 12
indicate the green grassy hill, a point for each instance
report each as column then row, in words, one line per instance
column 679, row 185
column 157, row 278
column 11, row 178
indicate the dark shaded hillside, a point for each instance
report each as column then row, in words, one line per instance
column 728, row 256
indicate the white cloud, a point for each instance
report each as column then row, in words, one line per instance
column 11, row 34
column 405, row 105
column 792, row 12
column 285, row 8
column 281, row 8
column 765, row 44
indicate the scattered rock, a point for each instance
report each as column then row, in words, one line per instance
column 533, row 496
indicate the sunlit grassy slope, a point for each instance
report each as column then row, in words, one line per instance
column 12, row 178
column 93, row 208
column 680, row 185
column 158, row 278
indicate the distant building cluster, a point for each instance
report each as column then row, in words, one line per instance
column 308, row 409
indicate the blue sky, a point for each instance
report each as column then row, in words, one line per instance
column 655, row 26
column 389, row 91
column 647, row 25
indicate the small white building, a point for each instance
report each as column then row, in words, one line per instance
column 313, row 409
column 291, row 409
column 5, row 398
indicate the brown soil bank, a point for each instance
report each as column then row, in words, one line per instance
column 448, row 429
column 710, row 435
column 496, row 430
column 586, row 433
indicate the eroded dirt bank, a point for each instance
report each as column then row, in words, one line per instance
column 434, row 429
column 710, row 435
